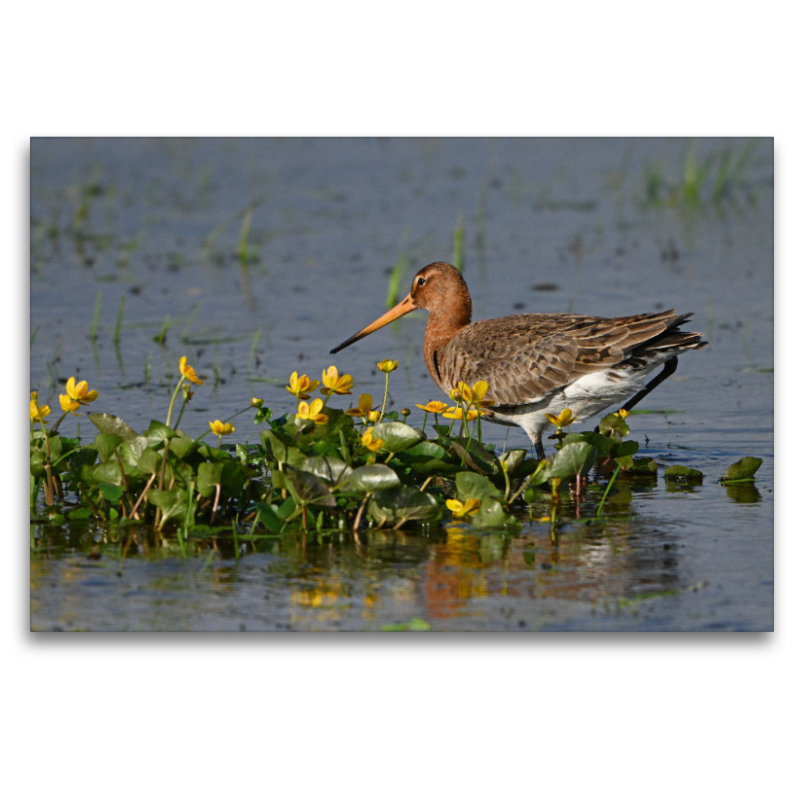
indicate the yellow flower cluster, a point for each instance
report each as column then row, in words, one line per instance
column 77, row 395
column 471, row 398
column 471, row 395
column 312, row 412
column 221, row 428
column 189, row 373
column 333, row 383
column 364, row 409
column 38, row 412
column 563, row 420
column 370, row 442
column 463, row 510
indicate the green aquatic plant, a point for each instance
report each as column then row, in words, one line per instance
column 322, row 470
column 720, row 177
column 395, row 280
column 96, row 318
column 458, row 244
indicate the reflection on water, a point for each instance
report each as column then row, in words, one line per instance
column 454, row 578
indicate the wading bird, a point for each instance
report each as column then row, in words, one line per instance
column 539, row 364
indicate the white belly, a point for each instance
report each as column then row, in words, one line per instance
column 589, row 395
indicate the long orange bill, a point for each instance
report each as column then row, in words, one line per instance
column 403, row 307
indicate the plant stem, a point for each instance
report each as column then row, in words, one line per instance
column 385, row 397
column 119, row 321
column 174, row 396
column 608, row 488
column 98, row 302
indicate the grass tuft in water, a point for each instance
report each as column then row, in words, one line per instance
column 458, row 244
column 395, row 278
column 118, row 326
column 161, row 336
column 95, row 320
column 244, row 252
column 721, row 177
column 252, row 357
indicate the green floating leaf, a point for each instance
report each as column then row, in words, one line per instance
column 370, row 478
column 397, row 436
column 38, row 457
column 429, row 458
column 604, row 444
column 330, row 469
column 491, row 514
column 683, row 474
column 209, row 475
column 149, row 462
column 110, row 492
column 308, row 489
column 743, row 470
column 613, row 423
column 403, row 504
column 268, row 517
column 280, row 448
column 471, row 485
column 575, row 458
column 622, row 449
column 130, row 451
column 158, row 432
column 286, row 508
column 172, row 502
column 181, row 445
column 642, row 466
column 512, row 460
column 106, row 444
column 108, row 472
column 474, row 456
column 112, row 425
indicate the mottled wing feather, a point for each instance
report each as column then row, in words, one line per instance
column 526, row 356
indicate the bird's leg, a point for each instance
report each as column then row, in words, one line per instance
column 669, row 367
column 537, row 443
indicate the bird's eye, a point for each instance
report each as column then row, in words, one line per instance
column 420, row 281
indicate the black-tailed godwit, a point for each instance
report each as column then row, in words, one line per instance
column 538, row 364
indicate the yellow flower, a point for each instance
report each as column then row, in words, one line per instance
column 300, row 387
column 461, row 510
column 256, row 402
column 374, row 416
column 472, row 396
column 456, row 412
column 335, row 384
column 622, row 413
column 312, row 412
column 363, row 408
column 369, row 442
column 68, row 404
column 189, row 373
column 564, row 419
column 38, row 412
column 433, row 406
column 80, row 392
column 387, row 365
column 221, row 428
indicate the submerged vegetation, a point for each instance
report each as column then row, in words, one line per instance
column 324, row 470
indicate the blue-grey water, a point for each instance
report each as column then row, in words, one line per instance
column 586, row 225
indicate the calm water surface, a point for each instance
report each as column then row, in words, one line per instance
column 549, row 225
